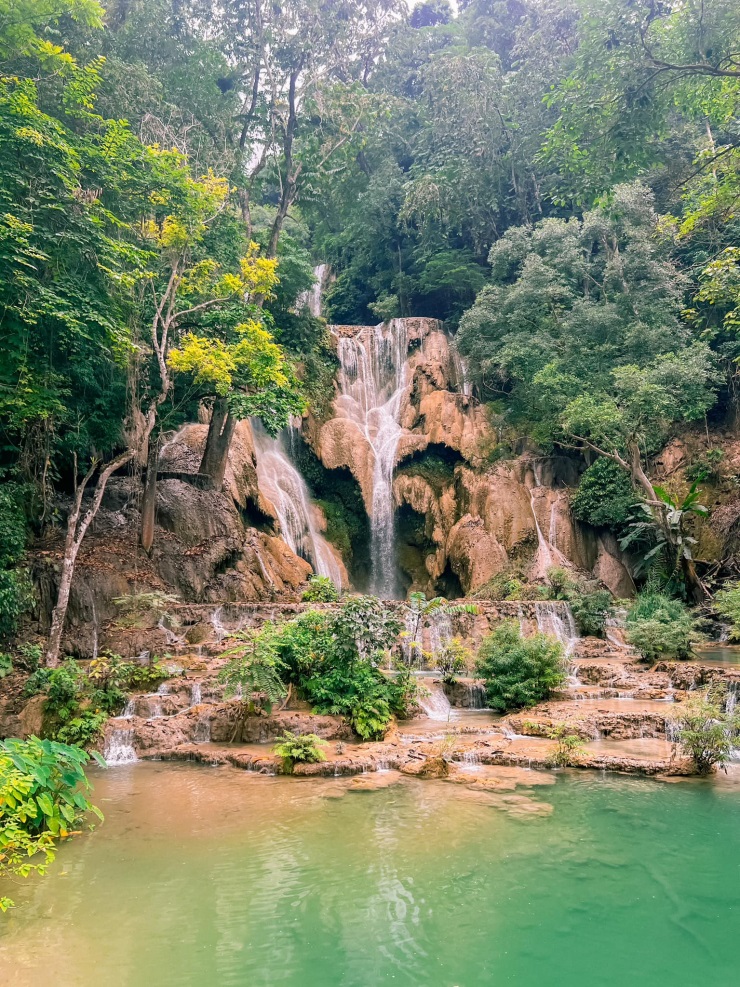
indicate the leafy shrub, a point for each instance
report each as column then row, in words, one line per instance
column 604, row 496
column 6, row 664
column 659, row 627
column 333, row 658
column 43, row 798
column 569, row 746
column 84, row 729
column 706, row 467
column 63, row 689
column 418, row 610
column 254, row 667
column 453, row 659
column 320, row 590
column 509, row 584
column 519, row 671
column 707, row 732
column 727, row 605
column 590, row 607
column 303, row 748
column 591, row 611
column 15, row 590
column 37, row 682
column 28, row 657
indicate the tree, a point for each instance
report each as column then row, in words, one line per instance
column 668, row 546
column 707, row 729
column 240, row 367
column 580, row 333
column 659, row 627
column 519, row 671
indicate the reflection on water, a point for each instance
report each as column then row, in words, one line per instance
column 217, row 877
column 718, row 654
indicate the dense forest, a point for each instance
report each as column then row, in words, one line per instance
column 557, row 181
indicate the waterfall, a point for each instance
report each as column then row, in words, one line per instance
column 436, row 705
column 556, row 619
column 440, row 631
column 119, row 748
column 312, row 298
column 96, row 626
column 286, row 489
column 372, row 381
column 548, row 553
column 460, row 368
column 202, row 731
column 196, row 696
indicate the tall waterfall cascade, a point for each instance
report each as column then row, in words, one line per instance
column 286, row 489
column 372, row 381
column 312, row 297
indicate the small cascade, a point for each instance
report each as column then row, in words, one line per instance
column 556, row 619
column 130, row 708
column 731, row 699
column 95, row 630
column 436, row 705
column 202, row 731
column 372, row 382
column 672, row 731
column 440, row 631
column 614, row 630
column 286, row 489
column 119, row 748
column 548, row 553
column 476, row 696
column 171, row 638
column 470, row 760
column 196, row 696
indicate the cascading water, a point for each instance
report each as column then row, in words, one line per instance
column 435, row 704
column 372, row 381
column 311, row 299
column 460, row 368
column 284, row 486
column 556, row 619
column 119, row 748
column 548, row 553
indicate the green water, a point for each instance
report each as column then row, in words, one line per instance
column 215, row 877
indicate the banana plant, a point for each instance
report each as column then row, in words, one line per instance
column 660, row 536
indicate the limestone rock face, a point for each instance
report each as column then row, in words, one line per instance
column 184, row 451
column 475, row 554
column 205, row 549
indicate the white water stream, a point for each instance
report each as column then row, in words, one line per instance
column 312, row 297
column 556, row 619
column 372, row 381
column 119, row 748
column 286, row 489
column 435, row 704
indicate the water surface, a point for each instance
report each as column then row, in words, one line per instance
column 217, row 877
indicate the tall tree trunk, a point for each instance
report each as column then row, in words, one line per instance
column 77, row 525
column 216, row 452
column 149, row 498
